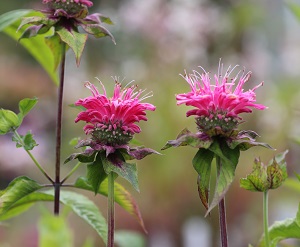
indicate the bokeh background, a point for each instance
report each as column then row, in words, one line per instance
column 156, row 41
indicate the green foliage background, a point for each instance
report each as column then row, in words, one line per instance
column 157, row 41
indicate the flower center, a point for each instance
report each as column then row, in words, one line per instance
column 226, row 124
column 69, row 6
column 112, row 135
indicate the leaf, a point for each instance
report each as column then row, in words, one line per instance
column 129, row 239
column 85, row 157
column 96, row 173
column 293, row 184
column 225, row 168
column 55, row 45
column 36, row 46
column 115, row 163
column 202, row 164
column 54, row 231
column 26, row 105
column 280, row 230
column 98, row 31
column 75, row 40
column 121, row 195
column 8, row 121
column 27, row 141
column 295, row 8
column 16, row 190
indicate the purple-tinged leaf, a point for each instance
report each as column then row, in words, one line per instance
column 98, row 31
column 141, row 152
column 87, row 156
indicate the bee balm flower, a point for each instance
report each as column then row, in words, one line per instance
column 218, row 104
column 112, row 121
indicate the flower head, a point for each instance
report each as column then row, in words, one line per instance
column 112, row 121
column 218, row 104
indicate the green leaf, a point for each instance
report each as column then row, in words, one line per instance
column 26, row 105
column 55, row 45
column 96, row 173
column 27, row 141
column 36, row 46
column 121, row 195
column 85, row 157
column 129, row 239
column 88, row 243
column 98, row 31
column 280, row 230
column 54, row 231
column 115, row 163
column 75, row 40
column 293, row 184
column 295, row 8
column 202, row 164
column 8, row 121
column 16, row 190
column 225, row 169
column 15, row 211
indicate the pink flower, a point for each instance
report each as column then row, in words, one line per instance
column 80, row 2
column 112, row 121
column 219, row 103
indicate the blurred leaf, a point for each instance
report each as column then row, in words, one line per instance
column 122, row 196
column 280, row 230
column 54, row 231
column 15, row 211
column 16, row 190
column 202, row 164
column 25, row 106
column 115, row 163
column 76, row 41
column 225, row 171
column 295, row 8
column 129, row 239
column 36, row 46
column 27, row 141
column 88, row 243
column 96, row 173
column 8, row 121
column 293, row 184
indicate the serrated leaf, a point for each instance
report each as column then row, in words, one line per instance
column 115, row 163
column 96, row 173
column 129, row 239
column 98, row 31
column 54, row 231
column 280, row 230
column 225, row 169
column 27, row 141
column 75, row 40
column 8, row 121
column 121, row 195
column 36, row 46
column 17, row 189
column 202, row 164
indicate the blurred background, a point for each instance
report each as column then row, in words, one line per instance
column 156, row 41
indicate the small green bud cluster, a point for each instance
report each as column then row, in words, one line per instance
column 111, row 137
column 206, row 123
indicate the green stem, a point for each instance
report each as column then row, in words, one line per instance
column 58, row 130
column 266, row 222
column 33, row 158
column 111, row 210
column 71, row 173
column 222, row 214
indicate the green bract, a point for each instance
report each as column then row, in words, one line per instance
column 266, row 177
column 225, row 147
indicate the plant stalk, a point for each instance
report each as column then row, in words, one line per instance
column 222, row 214
column 58, row 130
column 70, row 173
column 111, row 210
column 266, row 221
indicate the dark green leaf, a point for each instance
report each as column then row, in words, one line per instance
column 8, row 121
column 121, row 195
column 85, row 157
column 115, row 163
column 227, row 160
column 75, row 40
column 16, row 190
column 96, row 173
column 202, row 164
